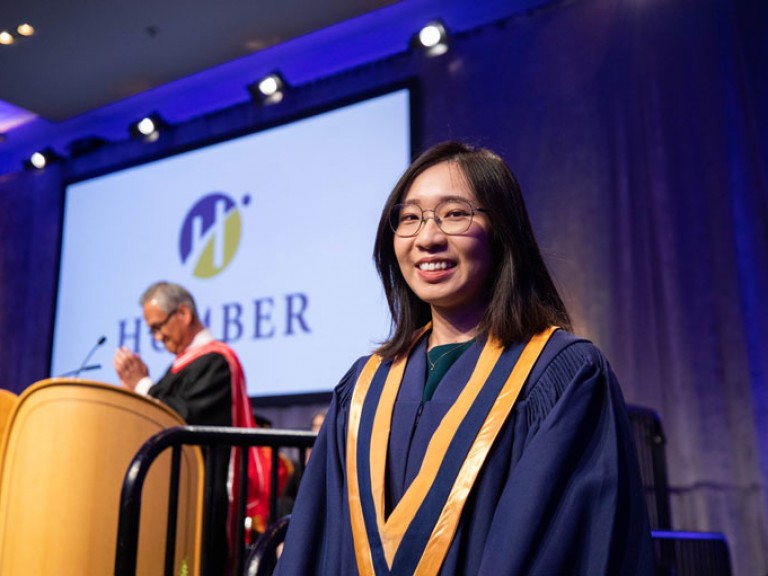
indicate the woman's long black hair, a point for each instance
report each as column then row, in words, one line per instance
column 522, row 298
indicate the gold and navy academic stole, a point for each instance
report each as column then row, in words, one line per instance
column 416, row 536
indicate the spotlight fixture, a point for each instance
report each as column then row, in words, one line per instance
column 40, row 159
column 6, row 38
column 433, row 38
column 148, row 128
column 25, row 29
column 268, row 90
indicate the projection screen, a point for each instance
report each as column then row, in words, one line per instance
column 271, row 232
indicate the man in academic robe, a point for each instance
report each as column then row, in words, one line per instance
column 205, row 385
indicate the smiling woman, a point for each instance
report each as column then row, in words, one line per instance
column 481, row 437
column 503, row 288
column 446, row 260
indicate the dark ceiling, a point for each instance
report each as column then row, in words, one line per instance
column 64, row 70
column 95, row 66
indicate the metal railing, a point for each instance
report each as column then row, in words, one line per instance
column 209, row 437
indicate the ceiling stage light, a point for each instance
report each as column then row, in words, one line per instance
column 148, row 128
column 433, row 38
column 25, row 29
column 38, row 160
column 268, row 90
column 42, row 158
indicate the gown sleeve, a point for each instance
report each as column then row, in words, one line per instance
column 573, row 502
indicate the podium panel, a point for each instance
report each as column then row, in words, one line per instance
column 66, row 450
column 7, row 402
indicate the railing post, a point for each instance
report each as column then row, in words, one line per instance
column 212, row 438
column 173, row 511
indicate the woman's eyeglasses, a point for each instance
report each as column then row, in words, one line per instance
column 451, row 216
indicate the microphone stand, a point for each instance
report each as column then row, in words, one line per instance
column 84, row 366
column 74, row 373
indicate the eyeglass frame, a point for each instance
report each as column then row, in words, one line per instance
column 154, row 329
column 472, row 211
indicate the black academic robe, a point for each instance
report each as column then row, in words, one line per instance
column 201, row 392
column 559, row 493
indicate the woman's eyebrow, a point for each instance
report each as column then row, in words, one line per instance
column 442, row 199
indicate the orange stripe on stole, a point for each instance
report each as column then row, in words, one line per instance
column 393, row 529
column 359, row 533
column 445, row 529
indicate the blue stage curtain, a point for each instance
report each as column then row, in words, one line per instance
column 639, row 132
column 30, row 230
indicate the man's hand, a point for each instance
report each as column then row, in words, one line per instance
column 130, row 367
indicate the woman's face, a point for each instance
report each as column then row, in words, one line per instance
column 449, row 272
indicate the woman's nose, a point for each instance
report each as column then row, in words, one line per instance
column 430, row 232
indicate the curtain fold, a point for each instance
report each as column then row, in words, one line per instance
column 30, row 224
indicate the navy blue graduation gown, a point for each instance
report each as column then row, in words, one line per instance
column 559, row 493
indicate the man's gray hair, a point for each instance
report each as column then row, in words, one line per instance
column 168, row 296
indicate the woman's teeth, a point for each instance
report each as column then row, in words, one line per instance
column 434, row 266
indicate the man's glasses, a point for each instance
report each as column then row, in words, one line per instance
column 155, row 328
column 452, row 216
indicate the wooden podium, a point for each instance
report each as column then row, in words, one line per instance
column 65, row 451
column 7, row 402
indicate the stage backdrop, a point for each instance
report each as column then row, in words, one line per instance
column 639, row 132
column 271, row 232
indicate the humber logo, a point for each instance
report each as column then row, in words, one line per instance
column 210, row 234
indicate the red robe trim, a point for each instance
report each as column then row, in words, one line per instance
column 260, row 459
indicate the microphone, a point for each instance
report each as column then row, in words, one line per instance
column 84, row 366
